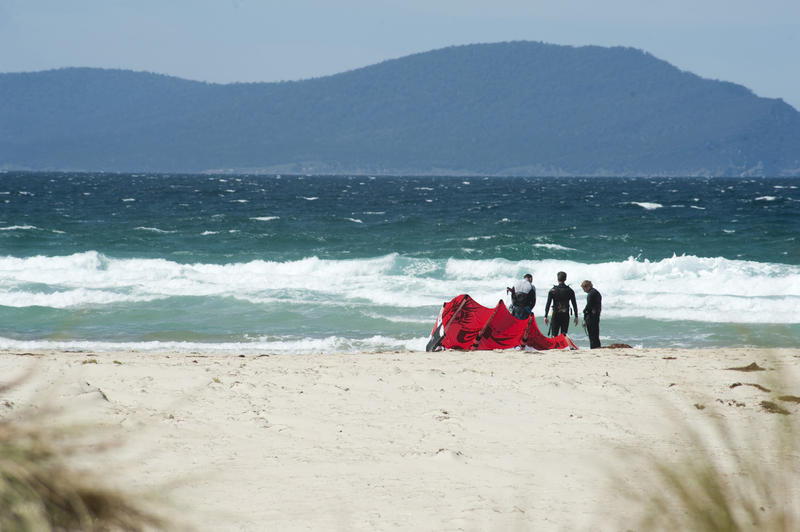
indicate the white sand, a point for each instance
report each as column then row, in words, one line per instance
column 398, row 441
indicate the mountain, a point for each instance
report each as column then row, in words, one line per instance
column 518, row 108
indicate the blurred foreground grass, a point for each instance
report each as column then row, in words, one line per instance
column 737, row 469
column 42, row 488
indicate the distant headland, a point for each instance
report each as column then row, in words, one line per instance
column 514, row 108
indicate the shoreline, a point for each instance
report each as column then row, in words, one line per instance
column 402, row 440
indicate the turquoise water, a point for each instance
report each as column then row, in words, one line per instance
column 322, row 263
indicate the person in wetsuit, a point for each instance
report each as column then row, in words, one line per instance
column 560, row 296
column 523, row 297
column 591, row 313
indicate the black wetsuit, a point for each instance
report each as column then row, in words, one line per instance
column 560, row 296
column 523, row 303
column 591, row 315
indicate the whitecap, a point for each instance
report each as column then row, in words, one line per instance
column 264, row 218
column 310, row 198
column 676, row 288
column 153, row 230
column 354, row 220
column 553, row 246
column 206, row 233
column 128, row 200
column 696, row 207
column 766, row 198
column 647, row 205
column 18, row 228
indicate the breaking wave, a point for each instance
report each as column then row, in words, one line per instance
column 707, row 289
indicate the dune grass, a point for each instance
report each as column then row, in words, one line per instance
column 42, row 488
column 736, row 470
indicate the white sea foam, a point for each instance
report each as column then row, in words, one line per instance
column 676, row 288
column 354, row 220
column 264, row 218
column 19, row 228
column 310, row 198
column 553, row 246
column 647, row 205
column 766, row 198
column 152, row 229
column 265, row 345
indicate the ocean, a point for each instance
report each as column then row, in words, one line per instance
column 308, row 264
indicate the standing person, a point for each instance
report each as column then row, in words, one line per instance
column 523, row 297
column 591, row 313
column 560, row 296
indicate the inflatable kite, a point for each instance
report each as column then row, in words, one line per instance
column 463, row 323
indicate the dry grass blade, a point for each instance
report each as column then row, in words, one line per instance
column 734, row 473
column 42, row 489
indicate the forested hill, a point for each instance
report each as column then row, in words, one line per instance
column 519, row 108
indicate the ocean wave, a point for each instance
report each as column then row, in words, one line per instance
column 681, row 287
column 19, row 228
column 263, row 345
column 553, row 246
column 648, row 206
column 153, row 230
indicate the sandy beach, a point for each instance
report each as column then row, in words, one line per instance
column 398, row 441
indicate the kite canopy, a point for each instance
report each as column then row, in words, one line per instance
column 465, row 324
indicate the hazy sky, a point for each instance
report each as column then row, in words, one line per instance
column 752, row 42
